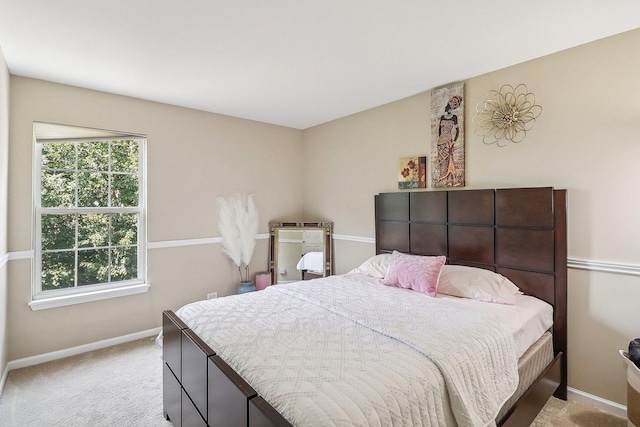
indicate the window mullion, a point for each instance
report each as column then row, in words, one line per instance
column 90, row 210
column 110, row 216
column 38, row 246
column 76, row 253
column 76, row 217
column 109, row 176
column 75, row 175
column 142, row 220
column 37, row 236
column 110, row 249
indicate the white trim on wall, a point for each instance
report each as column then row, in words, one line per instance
column 360, row 239
column 3, row 380
column 187, row 242
column 54, row 355
column 607, row 267
column 596, row 401
column 578, row 264
column 60, row 354
column 193, row 242
column 98, row 295
column 20, row 255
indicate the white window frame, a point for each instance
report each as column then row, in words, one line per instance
column 42, row 299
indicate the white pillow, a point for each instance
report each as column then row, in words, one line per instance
column 376, row 266
column 478, row 284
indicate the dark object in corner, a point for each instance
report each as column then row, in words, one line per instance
column 634, row 351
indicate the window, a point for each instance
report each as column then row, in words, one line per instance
column 89, row 213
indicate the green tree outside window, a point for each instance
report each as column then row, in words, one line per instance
column 89, row 217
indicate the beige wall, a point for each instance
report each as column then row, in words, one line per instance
column 4, row 164
column 193, row 157
column 587, row 140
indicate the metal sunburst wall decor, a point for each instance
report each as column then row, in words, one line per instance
column 507, row 115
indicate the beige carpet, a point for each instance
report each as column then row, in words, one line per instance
column 115, row 386
column 122, row 386
column 558, row 413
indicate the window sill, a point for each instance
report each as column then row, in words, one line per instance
column 46, row 303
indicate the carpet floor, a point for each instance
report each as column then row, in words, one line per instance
column 122, row 386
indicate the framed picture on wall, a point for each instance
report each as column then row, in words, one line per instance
column 412, row 172
column 447, row 136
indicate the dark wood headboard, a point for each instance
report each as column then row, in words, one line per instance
column 520, row 233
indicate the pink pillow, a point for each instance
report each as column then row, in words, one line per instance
column 420, row 273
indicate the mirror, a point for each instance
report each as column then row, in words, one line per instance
column 299, row 251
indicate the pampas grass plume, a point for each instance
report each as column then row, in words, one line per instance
column 238, row 227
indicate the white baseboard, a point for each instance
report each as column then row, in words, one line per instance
column 54, row 355
column 598, row 402
column 3, row 380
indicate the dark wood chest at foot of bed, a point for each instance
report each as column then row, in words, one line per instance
column 200, row 389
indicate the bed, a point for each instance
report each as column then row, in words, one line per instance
column 311, row 265
column 519, row 233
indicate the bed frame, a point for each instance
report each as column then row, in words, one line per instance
column 519, row 233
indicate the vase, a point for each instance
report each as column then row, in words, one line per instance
column 247, row 286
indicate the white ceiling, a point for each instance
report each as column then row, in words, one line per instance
column 295, row 63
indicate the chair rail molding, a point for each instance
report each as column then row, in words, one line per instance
column 573, row 263
column 606, row 267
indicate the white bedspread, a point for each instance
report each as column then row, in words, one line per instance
column 527, row 319
column 343, row 352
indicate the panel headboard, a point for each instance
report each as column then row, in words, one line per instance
column 520, row 233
